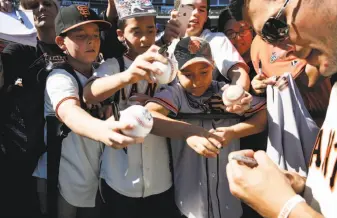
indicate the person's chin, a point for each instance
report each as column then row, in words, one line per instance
column 192, row 31
column 197, row 92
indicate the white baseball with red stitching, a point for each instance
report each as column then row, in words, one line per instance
column 168, row 72
column 233, row 95
column 140, row 118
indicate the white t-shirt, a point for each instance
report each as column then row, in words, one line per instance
column 224, row 53
column 321, row 186
column 80, row 157
column 144, row 169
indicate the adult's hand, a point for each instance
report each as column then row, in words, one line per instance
column 6, row 6
column 260, row 83
column 296, row 181
column 172, row 29
column 265, row 187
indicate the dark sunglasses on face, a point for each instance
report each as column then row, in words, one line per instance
column 276, row 30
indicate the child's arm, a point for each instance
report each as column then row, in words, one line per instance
column 62, row 95
column 82, row 123
column 141, row 69
column 238, row 74
column 199, row 139
column 255, row 124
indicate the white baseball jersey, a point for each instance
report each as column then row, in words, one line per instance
column 321, row 185
column 201, row 184
column 224, row 53
column 80, row 157
column 144, row 169
column 291, row 130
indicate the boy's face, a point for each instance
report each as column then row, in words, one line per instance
column 198, row 17
column 196, row 78
column 140, row 34
column 83, row 43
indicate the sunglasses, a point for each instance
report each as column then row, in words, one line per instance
column 276, row 30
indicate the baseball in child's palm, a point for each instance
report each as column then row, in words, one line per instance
column 140, row 118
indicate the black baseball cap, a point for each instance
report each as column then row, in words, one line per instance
column 73, row 16
column 191, row 50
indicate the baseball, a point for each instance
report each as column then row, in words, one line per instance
column 140, row 118
column 233, row 95
column 168, row 72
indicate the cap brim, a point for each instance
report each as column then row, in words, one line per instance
column 103, row 25
column 197, row 60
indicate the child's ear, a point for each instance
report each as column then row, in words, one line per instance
column 59, row 40
column 120, row 35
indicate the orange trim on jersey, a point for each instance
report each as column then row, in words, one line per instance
column 60, row 102
column 258, row 107
column 165, row 103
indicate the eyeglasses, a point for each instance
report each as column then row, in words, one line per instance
column 276, row 30
column 243, row 31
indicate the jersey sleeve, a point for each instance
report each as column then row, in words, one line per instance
column 168, row 97
column 61, row 86
column 224, row 53
column 257, row 104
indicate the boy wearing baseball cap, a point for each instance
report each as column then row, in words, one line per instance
column 136, row 181
column 77, row 28
column 201, row 187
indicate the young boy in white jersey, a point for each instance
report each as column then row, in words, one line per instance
column 201, row 186
column 77, row 29
column 136, row 181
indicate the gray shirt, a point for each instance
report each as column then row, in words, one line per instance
column 201, row 184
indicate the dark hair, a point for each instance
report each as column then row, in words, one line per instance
column 224, row 17
column 31, row 4
column 122, row 23
column 235, row 8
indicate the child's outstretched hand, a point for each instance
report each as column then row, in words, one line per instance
column 142, row 68
column 110, row 134
column 226, row 133
column 242, row 107
column 207, row 145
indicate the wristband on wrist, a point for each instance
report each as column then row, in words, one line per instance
column 290, row 205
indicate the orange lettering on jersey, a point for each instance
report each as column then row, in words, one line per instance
column 317, row 150
column 328, row 150
column 151, row 88
column 333, row 177
column 134, row 89
column 330, row 159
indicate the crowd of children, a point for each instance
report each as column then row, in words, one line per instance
column 87, row 167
